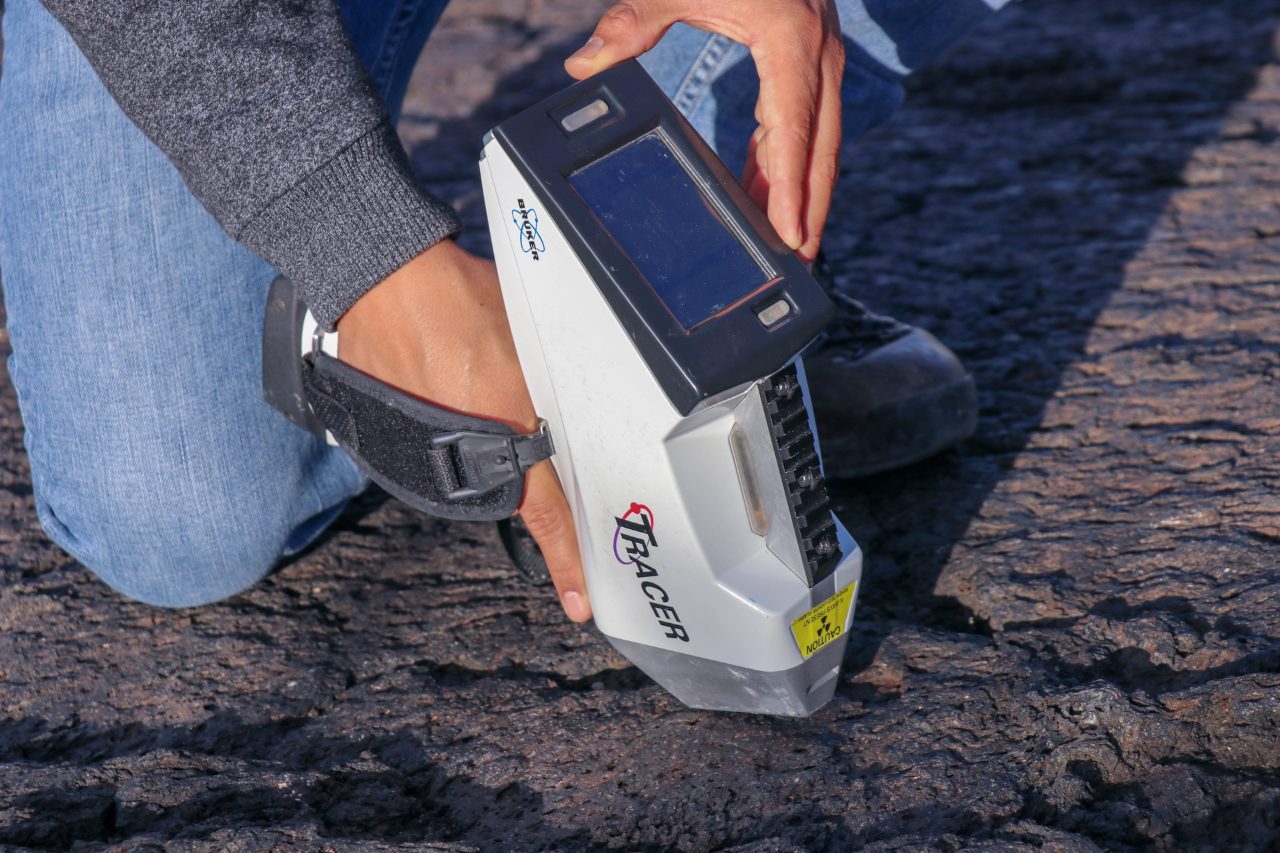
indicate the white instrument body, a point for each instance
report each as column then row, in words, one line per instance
column 705, row 604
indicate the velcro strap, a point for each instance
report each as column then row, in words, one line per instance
column 434, row 459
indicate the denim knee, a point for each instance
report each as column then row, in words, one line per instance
column 163, row 550
column 135, row 326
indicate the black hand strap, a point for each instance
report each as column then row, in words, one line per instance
column 436, row 460
column 525, row 554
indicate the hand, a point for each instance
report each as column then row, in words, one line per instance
column 793, row 158
column 436, row 328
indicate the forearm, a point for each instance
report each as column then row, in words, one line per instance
column 265, row 110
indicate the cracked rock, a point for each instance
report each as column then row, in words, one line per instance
column 1069, row 632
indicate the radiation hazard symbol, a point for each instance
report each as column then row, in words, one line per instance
column 823, row 623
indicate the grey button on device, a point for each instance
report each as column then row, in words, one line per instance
column 581, row 118
column 774, row 311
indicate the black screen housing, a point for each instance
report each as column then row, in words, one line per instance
column 672, row 233
column 692, row 356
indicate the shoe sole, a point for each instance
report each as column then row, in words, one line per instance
column 926, row 424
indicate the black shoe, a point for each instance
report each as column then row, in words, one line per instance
column 885, row 394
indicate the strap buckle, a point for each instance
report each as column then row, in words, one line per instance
column 486, row 461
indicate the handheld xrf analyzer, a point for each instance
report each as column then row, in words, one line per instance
column 658, row 320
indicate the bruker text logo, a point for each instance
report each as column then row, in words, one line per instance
column 526, row 222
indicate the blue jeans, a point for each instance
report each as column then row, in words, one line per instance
column 135, row 321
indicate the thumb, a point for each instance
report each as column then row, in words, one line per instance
column 627, row 30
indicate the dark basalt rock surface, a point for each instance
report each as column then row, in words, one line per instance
column 1068, row 637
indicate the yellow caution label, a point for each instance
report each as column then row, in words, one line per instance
column 823, row 623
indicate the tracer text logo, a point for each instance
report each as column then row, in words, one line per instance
column 635, row 544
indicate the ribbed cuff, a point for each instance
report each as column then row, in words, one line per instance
column 350, row 224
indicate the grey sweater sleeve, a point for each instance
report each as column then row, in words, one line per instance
column 264, row 108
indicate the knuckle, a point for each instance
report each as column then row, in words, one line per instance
column 810, row 22
column 543, row 519
column 623, row 16
column 796, row 133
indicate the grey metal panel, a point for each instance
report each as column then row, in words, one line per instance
column 715, row 686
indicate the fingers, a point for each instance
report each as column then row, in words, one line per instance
column 798, row 143
column 545, row 512
column 799, row 56
column 824, row 158
column 627, row 30
column 796, row 147
column 789, row 88
column 754, row 176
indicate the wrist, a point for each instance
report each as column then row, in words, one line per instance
column 382, row 302
column 434, row 328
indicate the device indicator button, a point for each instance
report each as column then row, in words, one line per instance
column 580, row 118
column 772, row 313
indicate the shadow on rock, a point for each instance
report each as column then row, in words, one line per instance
column 175, row 783
column 1002, row 216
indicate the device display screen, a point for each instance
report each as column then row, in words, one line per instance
column 680, row 244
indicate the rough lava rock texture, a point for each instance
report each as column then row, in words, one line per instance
column 1068, row 637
